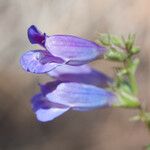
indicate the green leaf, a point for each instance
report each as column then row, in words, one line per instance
column 135, row 50
column 130, row 42
column 117, row 41
column 124, row 86
column 104, row 39
column 115, row 55
column 126, row 100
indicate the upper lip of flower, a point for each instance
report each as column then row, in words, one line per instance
column 69, row 49
column 35, row 36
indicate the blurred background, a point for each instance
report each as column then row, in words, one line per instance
column 103, row 129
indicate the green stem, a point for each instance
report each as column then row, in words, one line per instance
column 131, row 66
column 133, row 83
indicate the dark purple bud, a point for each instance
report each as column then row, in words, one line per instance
column 35, row 36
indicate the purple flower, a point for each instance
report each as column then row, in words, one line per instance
column 76, row 86
column 54, row 99
column 59, row 50
column 80, row 74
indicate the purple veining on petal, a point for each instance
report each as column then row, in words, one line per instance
column 35, row 36
column 81, row 96
column 80, row 74
column 74, row 50
column 39, row 61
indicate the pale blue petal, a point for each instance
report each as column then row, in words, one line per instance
column 82, row 109
column 46, row 110
column 39, row 61
column 45, row 115
column 81, row 95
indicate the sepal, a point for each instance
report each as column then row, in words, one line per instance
column 126, row 100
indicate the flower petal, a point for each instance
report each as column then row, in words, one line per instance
column 80, row 74
column 82, row 109
column 39, row 101
column 77, row 95
column 39, row 61
column 74, row 50
column 49, row 87
column 35, row 36
column 46, row 110
column 45, row 115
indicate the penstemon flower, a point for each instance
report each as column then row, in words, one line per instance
column 64, row 58
column 57, row 97
column 59, row 50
